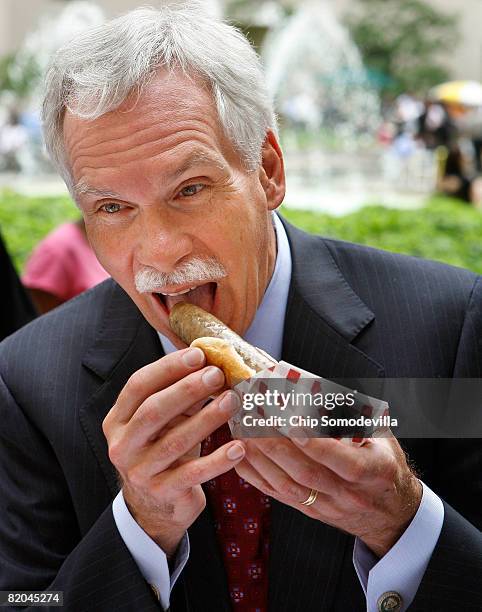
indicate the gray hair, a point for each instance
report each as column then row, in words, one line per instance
column 95, row 73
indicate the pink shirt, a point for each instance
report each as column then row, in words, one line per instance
column 63, row 264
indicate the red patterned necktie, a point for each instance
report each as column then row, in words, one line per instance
column 241, row 519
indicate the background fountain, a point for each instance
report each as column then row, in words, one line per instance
column 329, row 113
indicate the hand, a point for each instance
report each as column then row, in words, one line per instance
column 368, row 491
column 154, row 432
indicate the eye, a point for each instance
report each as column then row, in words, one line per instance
column 111, row 208
column 191, row 190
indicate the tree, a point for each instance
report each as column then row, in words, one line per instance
column 402, row 43
column 18, row 74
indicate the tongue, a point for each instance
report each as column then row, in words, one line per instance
column 202, row 296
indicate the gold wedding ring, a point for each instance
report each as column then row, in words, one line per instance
column 311, row 498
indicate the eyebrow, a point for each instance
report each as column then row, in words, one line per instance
column 82, row 188
column 196, row 158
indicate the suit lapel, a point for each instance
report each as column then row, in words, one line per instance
column 323, row 317
column 124, row 343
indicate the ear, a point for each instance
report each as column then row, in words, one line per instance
column 272, row 172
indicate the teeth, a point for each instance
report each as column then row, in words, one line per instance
column 179, row 292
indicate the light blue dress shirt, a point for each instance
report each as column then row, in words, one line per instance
column 400, row 570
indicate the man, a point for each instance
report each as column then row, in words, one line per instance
column 15, row 309
column 163, row 131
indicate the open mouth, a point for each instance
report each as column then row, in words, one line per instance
column 201, row 295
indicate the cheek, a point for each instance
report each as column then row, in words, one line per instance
column 232, row 242
column 112, row 253
column 241, row 236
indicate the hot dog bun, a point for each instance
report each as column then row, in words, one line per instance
column 222, row 347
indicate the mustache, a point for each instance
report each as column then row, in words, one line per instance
column 150, row 280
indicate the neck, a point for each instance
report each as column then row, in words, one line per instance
column 272, row 250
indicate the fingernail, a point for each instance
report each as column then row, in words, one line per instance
column 236, row 451
column 193, row 357
column 230, row 402
column 213, row 378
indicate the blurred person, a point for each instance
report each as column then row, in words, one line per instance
column 61, row 266
column 13, row 137
column 435, row 126
column 402, row 148
column 457, row 179
column 16, row 309
column 408, row 108
column 448, row 128
column 469, row 126
column 477, row 144
column 115, row 487
column 386, row 133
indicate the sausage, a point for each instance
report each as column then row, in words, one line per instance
column 222, row 347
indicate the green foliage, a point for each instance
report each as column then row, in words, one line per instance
column 18, row 77
column 25, row 221
column 5, row 63
column 445, row 230
column 403, row 40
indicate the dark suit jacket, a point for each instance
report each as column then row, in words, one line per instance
column 353, row 312
column 16, row 308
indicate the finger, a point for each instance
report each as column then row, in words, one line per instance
column 324, row 508
column 196, row 407
column 199, row 471
column 280, row 482
column 246, row 471
column 192, row 453
column 300, row 467
column 161, row 407
column 178, row 441
column 351, row 463
column 152, row 378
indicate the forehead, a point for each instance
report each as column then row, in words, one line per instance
column 172, row 109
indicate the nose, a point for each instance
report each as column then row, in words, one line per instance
column 161, row 243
